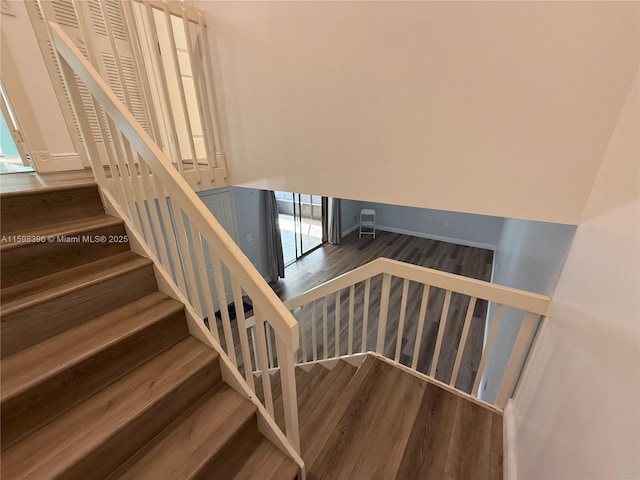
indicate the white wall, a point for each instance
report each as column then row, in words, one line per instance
column 496, row 108
column 529, row 256
column 576, row 412
column 467, row 229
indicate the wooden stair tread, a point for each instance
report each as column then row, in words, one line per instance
column 317, row 385
column 316, row 390
column 47, row 358
column 288, row 469
column 45, row 288
column 316, row 398
column 384, row 421
column 342, row 448
column 100, row 376
column 30, row 320
column 394, row 425
column 66, row 228
column 194, row 439
column 430, row 436
column 318, row 408
column 23, row 209
column 264, row 462
column 248, row 455
column 323, row 427
column 90, row 435
column 303, row 377
column 316, row 376
column 45, row 380
column 55, row 248
column 275, row 386
column 48, row 189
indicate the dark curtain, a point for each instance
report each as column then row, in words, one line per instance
column 325, row 219
column 275, row 257
column 335, row 227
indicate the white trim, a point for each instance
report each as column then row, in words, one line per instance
column 354, row 359
column 445, row 386
column 520, row 299
column 67, row 161
column 457, row 241
column 349, row 230
column 510, row 471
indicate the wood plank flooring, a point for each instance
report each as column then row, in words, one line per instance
column 378, row 421
column 332, row 260
column 100, row 377
column 18, row 182
column 388, row 424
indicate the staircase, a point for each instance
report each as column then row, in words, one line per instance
column 379, row 421
column 100, row 376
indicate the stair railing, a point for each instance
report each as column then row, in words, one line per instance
column 201, row 258
column 358, row 302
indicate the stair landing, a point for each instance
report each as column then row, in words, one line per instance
column 28, row 181
column 381, row 422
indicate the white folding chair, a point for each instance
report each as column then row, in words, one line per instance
column 367, row 222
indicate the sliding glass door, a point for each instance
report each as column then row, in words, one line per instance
column 301, row 218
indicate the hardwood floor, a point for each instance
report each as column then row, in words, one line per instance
column 377, row 421
column 329, row 261
column 17, row 182
column 332, row 260
column 100, row 376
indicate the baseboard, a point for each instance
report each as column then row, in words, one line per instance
column 457, row 241
column 508, row 443
column 350, row 229
column 67, row 161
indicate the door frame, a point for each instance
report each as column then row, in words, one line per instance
column 297, row 221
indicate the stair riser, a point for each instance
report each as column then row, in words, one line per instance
column 36, row 323
column 322, row 427
column 247, row 431
column 321, row 406
column 225, row 464
column 31, row 409
column 36, row 260
column 28, row 210
column 127, row 441
column 311, row 387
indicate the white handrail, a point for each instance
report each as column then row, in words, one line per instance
column 520, row 299
column 533, row 306
column 252, row 282
column 145, row 184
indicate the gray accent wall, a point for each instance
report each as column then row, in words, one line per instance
column 464, row 228
column 467, row 229
column 350, row 212
column 251, row 227
column 529, row 256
